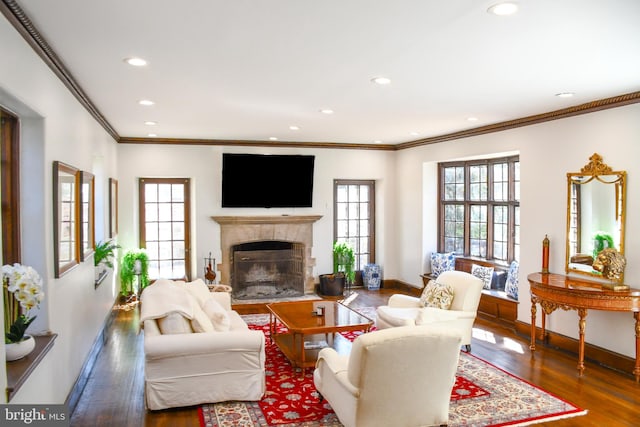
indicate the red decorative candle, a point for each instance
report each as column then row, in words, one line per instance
column 545, row 255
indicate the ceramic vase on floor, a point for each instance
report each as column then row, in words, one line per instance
column 18, row 350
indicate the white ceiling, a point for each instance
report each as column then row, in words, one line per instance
column 249, row 69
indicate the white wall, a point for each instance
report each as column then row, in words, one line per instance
column 204, row 164
column 547, row 152
column 54, row 126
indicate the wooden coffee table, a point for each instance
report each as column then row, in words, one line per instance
column 307, row 333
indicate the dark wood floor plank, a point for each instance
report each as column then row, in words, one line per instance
column 114, row 394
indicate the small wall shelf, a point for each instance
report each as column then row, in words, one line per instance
column 19, row 370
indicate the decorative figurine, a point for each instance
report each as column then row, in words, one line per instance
column 610, row 263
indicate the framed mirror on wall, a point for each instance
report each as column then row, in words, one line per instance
column 113, row 208
column 87, row 214
column 65, row 217
column 595, row 215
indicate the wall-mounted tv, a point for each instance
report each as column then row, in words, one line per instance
column 267, row 181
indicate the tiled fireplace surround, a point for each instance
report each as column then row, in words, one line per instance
column 288, row 228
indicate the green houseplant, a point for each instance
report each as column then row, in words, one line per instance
column 344, row 260
column 134, row 265
column 343, row 272
column 105, row 253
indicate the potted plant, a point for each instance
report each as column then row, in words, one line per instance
column 343, row 272
column 22, row 288
column 103, row 256
column 134, row 266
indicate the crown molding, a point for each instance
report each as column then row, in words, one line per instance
column 251, row 143
column 21, row 22
column 589, row 107
column 16, row 16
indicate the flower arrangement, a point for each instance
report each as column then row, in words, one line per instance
column 22, row 287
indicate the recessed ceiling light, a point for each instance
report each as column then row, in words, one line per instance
column 414, row 133
column 273, row 138
column 136, row 62
column 377, row 141
column 564, row 94
column 381, row 80
column 146, row 102
column 472, row 119
column 294, row 127
column 150, row 123
column 503, row 8
column 326, row 111
column 152, row 135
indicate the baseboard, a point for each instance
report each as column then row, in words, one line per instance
column 398, row 284
column 592, row 353
column 83, row 377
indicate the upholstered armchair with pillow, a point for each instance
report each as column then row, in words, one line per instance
column 197, row 350
column 451, row 299
column 373, row 386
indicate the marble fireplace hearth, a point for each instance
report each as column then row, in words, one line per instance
column 238, row 230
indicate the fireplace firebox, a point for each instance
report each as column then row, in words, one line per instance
column 267, row 269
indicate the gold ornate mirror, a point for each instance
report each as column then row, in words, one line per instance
column 595, row 214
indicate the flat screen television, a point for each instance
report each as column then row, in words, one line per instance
column 267, row 181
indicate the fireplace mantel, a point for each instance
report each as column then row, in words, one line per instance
column 264, row 219
column 288, row 228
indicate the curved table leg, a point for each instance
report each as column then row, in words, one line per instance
column 636, row 370
column 532, row 346
column 582, row 312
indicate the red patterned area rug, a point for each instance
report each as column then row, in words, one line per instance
column 483, row 395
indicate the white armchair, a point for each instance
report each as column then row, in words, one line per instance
column 373, row 386
column 405, row 310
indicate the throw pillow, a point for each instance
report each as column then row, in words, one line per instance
column 437, row 295
column 217, row 315
column 174, row 323
column 200, row 321
column 483, row 273
column 511, row 286
column 442, row 262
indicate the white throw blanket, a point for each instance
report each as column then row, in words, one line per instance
column 162, row 298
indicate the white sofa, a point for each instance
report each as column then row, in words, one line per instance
column 394, row 377
column 405, row 310
column 197, row 350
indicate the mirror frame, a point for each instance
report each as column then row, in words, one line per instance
column 596, row 169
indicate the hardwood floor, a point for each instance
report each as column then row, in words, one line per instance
column 114, row 393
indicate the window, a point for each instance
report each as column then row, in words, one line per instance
column 480, row 208
column 9, row 153
column 354, row 218
column 165, row 225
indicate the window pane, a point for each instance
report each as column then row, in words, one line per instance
column 164, row 192
column 178, row 231
column 151, row 231
column 353, row 210
column 177, row 193
column 164, row 231
column 151, row 193
column 517, row 180
column 364, row 193
column 177, row 211
column 342, row 211
column 341, row 193
column 164, row 211
column 151, row 212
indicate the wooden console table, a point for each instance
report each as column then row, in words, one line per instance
column 553, row 291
